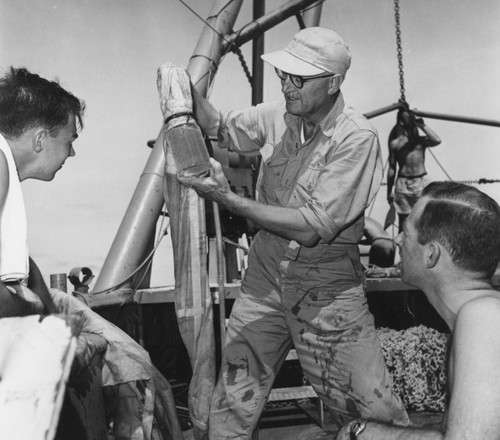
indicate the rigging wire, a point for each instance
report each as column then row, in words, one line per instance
column 205, row 21
column 376, row 195
column 146, row 260
column 230, row 46
column 439, row 164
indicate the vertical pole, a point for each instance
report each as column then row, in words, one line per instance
column 139, row 222
column 257, row 51
column 311, row 16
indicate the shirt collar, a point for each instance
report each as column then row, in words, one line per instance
column 327, row 124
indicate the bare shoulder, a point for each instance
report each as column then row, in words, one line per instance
column 488, row 303
column 482, row 313
column 475, row 377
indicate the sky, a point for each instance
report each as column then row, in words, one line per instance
column 107, row 53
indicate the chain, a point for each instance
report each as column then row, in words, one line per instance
column 243, row 63
column 400, row 52
column 480, row 181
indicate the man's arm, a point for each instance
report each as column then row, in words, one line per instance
column 392, row 144
column 37, row 285
column 391, row 172
column 285, row 222
column 475, row 388
column 431, row 139
column 4, row 183
column 12, row 304
column 379, row 431
column 206, row 115
column 354, row 170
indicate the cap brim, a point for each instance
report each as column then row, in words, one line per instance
column 290, row 64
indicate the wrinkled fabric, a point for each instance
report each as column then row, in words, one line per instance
column 316, row 304
column 193, row 301
column 331, row 177
column 407, row 191
column 126, row 365
column 309, row 297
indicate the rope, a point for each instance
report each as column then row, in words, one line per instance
column 399, row 52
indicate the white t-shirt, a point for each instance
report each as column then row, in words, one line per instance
column 14, row 265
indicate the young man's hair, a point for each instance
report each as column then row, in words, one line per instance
column 465, row 221
column 28, row 100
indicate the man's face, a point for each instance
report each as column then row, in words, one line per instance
column 407, row 120
column 411, row 252
column 57, row 149
column 312, row 101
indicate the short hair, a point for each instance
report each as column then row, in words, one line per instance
column 28, row 100
column 465, row 221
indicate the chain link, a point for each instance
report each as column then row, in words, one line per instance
column 243, row 63
column 400, row 52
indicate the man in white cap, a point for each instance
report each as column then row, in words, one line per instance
column 304, row 287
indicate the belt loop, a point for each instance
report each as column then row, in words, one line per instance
column 293, row 250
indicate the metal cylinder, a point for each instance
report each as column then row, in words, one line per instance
column 58, row 281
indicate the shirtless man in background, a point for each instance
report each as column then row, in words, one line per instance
column 407, row 153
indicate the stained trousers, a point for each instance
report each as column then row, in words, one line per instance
column 313, row 300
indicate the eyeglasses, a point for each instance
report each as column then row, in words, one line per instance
column 298, row 81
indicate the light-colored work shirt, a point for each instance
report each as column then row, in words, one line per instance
column 331, row 178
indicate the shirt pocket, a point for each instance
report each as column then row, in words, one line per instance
column 309, row 178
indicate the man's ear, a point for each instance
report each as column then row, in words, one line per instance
column 335, row 84
column 432, row 254
column 38, row 141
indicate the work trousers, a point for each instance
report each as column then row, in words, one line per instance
column 407, row 191
column 312, row 299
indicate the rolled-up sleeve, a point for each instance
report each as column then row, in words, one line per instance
column 341, row 189
column 244, row 131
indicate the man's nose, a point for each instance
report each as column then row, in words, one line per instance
column 71, row 152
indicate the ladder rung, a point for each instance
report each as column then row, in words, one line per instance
column 292, row 393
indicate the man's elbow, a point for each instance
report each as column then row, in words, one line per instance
column 309, row 239
column 433, row 142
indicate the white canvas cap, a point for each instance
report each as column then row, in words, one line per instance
column 312, row 51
